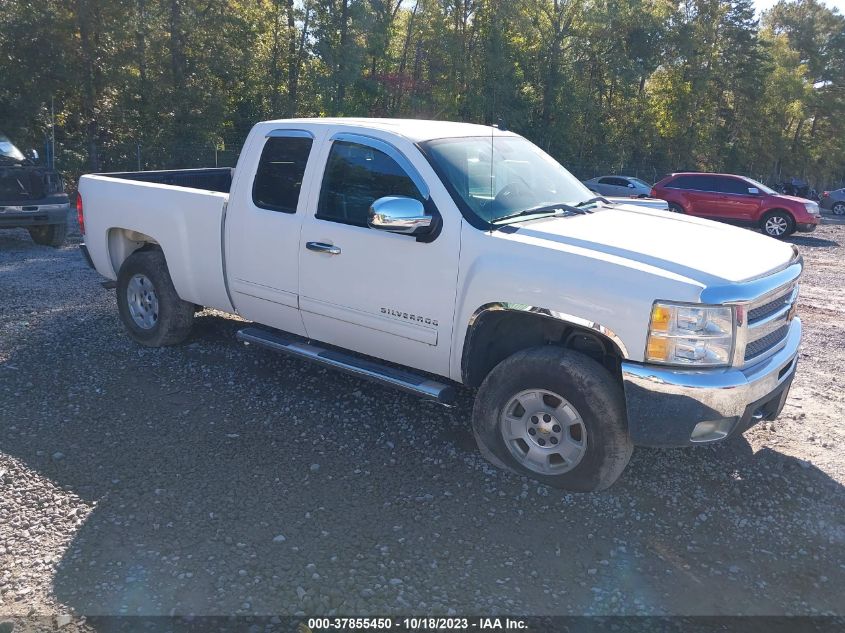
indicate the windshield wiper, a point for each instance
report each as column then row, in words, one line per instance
column 548, row 209
column 593, row 201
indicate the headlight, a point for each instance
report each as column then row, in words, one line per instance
column 812, row 208
column 690, row 335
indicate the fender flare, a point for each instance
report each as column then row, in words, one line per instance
column 599, row 329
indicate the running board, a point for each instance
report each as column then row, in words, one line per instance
column 400, row 379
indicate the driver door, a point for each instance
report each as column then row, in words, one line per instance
column 383, row 294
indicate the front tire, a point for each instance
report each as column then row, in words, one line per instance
column 778, row 224
column 49, row 234
column 556, row 416
column 149, row 307
column 838, row 208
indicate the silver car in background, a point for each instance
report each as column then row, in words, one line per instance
column 622, row 186
column 834, row 201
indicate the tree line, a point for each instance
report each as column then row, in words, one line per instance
column 600, row 84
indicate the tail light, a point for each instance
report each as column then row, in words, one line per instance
column 653, row 193
column 80, row 216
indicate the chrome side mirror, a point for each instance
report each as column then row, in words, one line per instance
column 753, row 191
column 32, row 155
column 399, row 214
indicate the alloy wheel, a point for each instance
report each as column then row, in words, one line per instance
column 543, row 432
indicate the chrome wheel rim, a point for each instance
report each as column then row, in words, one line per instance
column 142, row 301
column 543, row 432
column 839, row 209
column 776, row 225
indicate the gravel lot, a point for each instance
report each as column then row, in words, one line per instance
column 217, row 479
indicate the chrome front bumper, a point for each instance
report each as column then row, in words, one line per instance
column 679, row 407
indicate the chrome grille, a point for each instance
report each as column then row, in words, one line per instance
column 766, row 343
column 768, row 323
column 767, row 309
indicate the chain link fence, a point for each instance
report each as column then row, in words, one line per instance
column 72, row 160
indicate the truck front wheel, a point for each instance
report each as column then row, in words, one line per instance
column 554, row 415
column 49, row 234
column 149, row 307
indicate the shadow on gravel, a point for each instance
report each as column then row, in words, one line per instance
column 231, row 481
column 812, row 242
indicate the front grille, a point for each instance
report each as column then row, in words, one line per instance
column 764, row 344
column 761, row 312
column 768, row 322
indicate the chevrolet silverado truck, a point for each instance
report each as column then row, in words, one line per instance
column 427, row 255
column 31, row 196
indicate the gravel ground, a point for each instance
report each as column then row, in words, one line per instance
column 212, row 478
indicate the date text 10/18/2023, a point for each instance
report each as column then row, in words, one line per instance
column 317, row 625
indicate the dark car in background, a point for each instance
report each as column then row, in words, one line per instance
column 31, row 196
column 834, row 201
column 737, row 200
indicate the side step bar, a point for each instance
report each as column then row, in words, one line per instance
column 400, row 379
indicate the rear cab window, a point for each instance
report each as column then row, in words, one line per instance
column 278, row 179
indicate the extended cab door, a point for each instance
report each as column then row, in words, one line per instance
column 263, row 226
column 383, row 294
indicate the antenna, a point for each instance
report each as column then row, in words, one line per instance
column 498, row 125
column 492, row 187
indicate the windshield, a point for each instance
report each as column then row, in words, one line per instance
column 761, row 186
column 497, row 177
column 8, row 150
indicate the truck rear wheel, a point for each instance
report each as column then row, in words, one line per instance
column 49, row 234
column 149, row 307
column 556, row 416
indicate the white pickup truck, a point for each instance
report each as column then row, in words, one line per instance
column 426, row 255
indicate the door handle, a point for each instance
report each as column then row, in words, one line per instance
column 322, row 247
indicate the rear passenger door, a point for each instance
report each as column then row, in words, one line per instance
column 263, row 226
column 699, row 194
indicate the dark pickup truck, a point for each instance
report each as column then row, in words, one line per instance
column 31, row 196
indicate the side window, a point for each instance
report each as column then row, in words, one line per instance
column 681, row 182
column 280, row 171
column 698, row 183
column 357, row 175
column 732, row 185
column 606, row 181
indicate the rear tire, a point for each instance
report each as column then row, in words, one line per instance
column 838, row 208
column 556, row 416
column 149, row 307
column 676, row 208
column 778, row 224
column 49, row 234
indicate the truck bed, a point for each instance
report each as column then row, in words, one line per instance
column 208, row 178
column 124, row 210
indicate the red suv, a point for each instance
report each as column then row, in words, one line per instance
column 737, row 200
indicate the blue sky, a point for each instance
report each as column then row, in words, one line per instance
column 762, row 5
